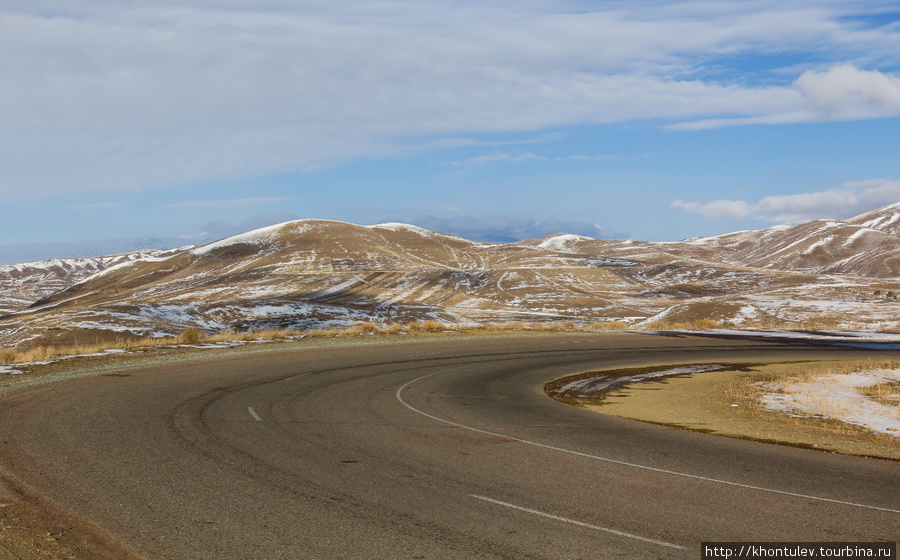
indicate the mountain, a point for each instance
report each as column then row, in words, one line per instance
column 24, row 283
column 315, row 273
column 816, row 247
column 885, row 220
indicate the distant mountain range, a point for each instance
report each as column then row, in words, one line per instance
column 313, row 273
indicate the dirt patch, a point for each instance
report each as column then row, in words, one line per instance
column 705, row 401
column 32, row 529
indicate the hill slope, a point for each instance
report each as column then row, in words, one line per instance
column 311, row 273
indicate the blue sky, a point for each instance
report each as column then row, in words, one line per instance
column 163, row 122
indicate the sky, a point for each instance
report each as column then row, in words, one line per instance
column 128, row 124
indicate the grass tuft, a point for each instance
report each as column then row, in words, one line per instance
column 191, row 336
column 433, row 326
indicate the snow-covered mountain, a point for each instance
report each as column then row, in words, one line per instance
column 309, row 273
column 816, row 247
column 24, row 283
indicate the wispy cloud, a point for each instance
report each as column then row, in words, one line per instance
column 98, row 206
column 849, row 200
column 737, row 209
column 229, row 203
column 523, row 158
column 497, row 158
column 842, row 92
column 600, row 157
column 221, row 229
column 158, row 93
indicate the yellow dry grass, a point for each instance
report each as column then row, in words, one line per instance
column 885, row 393
column 696, row 325
column 779, row 378
column 194, row 336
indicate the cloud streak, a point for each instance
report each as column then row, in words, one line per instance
column 130, row 96
column 843, row 92
column 229, row 203
column 98, row 206
column 498, row 158
column 849, row 200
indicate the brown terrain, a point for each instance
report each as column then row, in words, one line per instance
column 316, row 273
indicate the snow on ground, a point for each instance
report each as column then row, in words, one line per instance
column 839, row 397
column 259, row 236
column 10, row 370
column 603, row 383
column 562, row 241
column 820, row 243
column 397, row 226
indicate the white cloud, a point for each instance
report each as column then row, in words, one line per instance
column 98, row 206
column 832, row 203
column 851, row 199
column 497, row 158
column 228, row 203
column 601, row 157
column 737, row 209
column 133, row 95
column 845, row 91
column 679, row 203
column 521, row 158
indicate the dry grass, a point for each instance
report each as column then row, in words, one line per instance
column 820, row 323
column 696, row 325
column 190, row 336
column 885, row 393
column 608, row 326
column 813, row 323
column 194, row 336
column 322, row 333
column 433, row 326
column 779, row 378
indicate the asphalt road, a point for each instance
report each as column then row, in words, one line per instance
column 443, row 448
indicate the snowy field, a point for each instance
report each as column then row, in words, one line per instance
column 841, row 397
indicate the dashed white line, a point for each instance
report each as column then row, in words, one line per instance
column 253, row 413
column 623, row 463
column 574, row 522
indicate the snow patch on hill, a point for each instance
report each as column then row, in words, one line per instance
column 561, row 242
column 397, row 226
column 259, row 236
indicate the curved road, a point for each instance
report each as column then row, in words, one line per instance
column 441, row 448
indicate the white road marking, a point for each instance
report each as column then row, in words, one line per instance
column 623, row 463
column 253, row 413
column 574, row 522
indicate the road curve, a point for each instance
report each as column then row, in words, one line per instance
column 431, row 448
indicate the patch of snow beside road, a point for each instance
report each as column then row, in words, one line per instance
column 605, row 383
column 839, row 397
